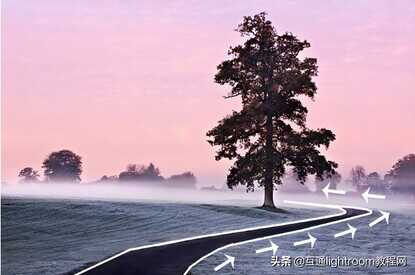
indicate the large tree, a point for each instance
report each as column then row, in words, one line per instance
column 269, row 133
column 63, row 165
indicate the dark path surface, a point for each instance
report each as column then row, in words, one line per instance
column 177, row 257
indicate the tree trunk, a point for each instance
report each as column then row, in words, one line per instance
column 269, row 195
column 269, row 186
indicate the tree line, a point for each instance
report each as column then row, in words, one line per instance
column 66, row 166
column 399, row 179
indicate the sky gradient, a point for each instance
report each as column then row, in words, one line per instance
column 123, row 82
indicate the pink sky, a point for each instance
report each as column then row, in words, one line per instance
column 123, row 82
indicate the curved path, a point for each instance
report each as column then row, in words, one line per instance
column 178, row 257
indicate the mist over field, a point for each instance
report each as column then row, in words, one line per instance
column 151, row 192
column 131, row 192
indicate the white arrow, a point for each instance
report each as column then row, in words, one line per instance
column 326, row 190
column 310, row 240
column 229, row 260
column 352, row 230
column 368, row 196
column 272, row 248
column 385, row 216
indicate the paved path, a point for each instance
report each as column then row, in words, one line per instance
column 175, row 257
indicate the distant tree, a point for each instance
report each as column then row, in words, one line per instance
column 151, row 172
column 388, row 180
column 269, row 133
column 358, row 176
column 333, row 178
column 141, row 173
column 106, row 179
column 28, row 174
column 403, row 174
column 186, row 179
column 127, row 176
column 63, row 165
column 134, row 168
column 132, row 173
column 374, row 181
column 373, row 176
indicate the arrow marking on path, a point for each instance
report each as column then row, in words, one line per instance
column 229, row 260
column 326, row 190
column 385, row 216
column 272, row 248
column 311, row 240
column 368, row 196
column 352, row 230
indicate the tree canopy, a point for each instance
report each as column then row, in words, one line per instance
column 403, row 174
column 29, row 174
column 269, row 133
column 186, row 179
column 136, row 172
column 63, row 165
